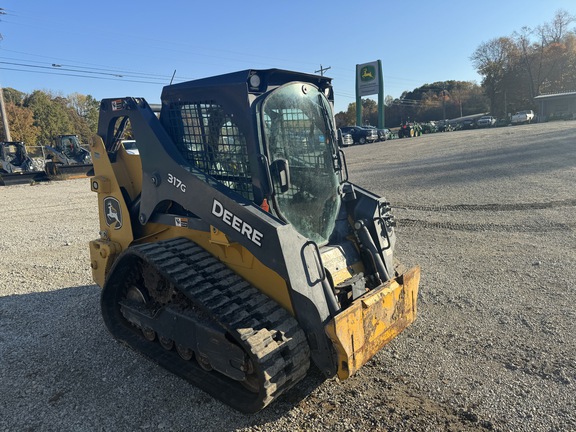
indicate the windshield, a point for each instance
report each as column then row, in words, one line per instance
column 298, row 129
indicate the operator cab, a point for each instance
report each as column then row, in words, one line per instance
column 280, row 152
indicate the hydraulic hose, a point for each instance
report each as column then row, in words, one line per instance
column 368, row 244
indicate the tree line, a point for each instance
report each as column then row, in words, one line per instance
column 514, row 70
column 528, row 63
column 38, row 117
column 436, row 101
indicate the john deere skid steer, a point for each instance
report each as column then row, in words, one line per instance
column 17, row 166
column 233, row 250
column 66, row 158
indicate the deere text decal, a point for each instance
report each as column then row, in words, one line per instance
column 238, row 224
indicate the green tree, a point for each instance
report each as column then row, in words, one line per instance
column 87, row 108
column 494, row 60
column 38, row 117
column 369, row 114
column 51, row 116
column 346, row 118
column 14, row 96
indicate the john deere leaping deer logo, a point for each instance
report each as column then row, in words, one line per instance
column 368, row 73
column 113, row 212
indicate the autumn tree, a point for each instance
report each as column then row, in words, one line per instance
column 346, row 118
column 38, row 117
column 530, row 62
column 439, row 100
column 21, row 124
column 495, row 61
column 369, row 114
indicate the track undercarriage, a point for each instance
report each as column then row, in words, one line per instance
column 178, row 305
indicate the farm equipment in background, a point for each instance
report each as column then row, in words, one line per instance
column 429, row 127
column 16, row 165
column 67, row 158
column 444, row 126
column 409, row 130
column 232, row 251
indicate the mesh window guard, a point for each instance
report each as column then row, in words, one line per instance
column 209, row 140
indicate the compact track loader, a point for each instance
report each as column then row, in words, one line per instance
column 233, row 250
column 66, row 158
column 16, row 165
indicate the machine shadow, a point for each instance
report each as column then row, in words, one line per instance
column 56, row 342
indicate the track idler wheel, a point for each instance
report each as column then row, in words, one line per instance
column 203, row 361
column 184, row 352
column 166, row 343
column 251, row 382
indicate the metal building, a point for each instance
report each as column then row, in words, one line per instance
column 556, row 106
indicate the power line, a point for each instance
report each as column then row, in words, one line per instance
column 63, row 62
column 80, row 76
column 82, row 67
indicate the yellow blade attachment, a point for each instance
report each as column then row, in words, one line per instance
column 372, row 321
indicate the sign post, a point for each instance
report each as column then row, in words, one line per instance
column 369, row 81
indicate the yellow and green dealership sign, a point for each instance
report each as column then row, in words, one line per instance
column 369, row 81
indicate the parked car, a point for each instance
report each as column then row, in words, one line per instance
column 344, row 139
column 360, row 134
column 130, row 147
column 378, row 132
column 384, row 134
column 468, row 123
column 486, row 121
column 521, row 117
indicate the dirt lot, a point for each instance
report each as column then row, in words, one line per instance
column 489, row 215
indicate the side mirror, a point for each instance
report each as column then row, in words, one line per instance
column 280, row 172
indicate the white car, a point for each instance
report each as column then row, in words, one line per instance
column 486, row 121
column 525, row 116
column 345, row 139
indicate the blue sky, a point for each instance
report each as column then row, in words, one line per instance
column 132, row 48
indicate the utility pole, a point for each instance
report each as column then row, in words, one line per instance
column 4, row 117
column 444, row 104
column 2, row 106
column 322, row 70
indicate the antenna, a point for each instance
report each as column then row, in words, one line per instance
column 172, row 79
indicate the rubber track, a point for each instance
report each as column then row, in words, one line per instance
column 260, row 325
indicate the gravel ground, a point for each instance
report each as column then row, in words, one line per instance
column 488, row 215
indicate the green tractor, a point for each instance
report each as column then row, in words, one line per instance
column 409, row 130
